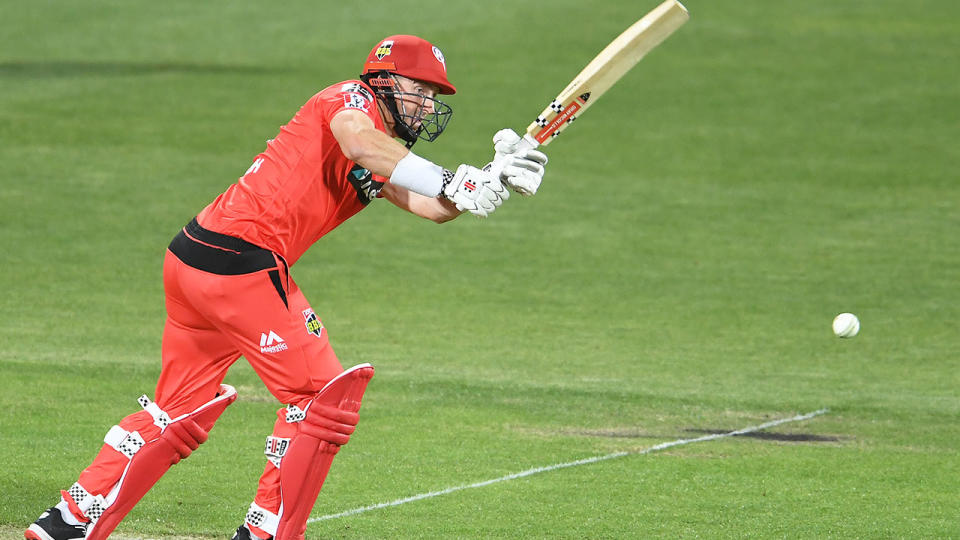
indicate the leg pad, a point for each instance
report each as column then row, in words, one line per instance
column 177, row 440
column 329, row 424
column 329, row 421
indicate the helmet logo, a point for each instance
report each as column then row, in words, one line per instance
column 439, row 56
column 384, row 49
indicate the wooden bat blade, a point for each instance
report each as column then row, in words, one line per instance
column 606, row 69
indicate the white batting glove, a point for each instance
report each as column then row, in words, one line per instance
column 473, row 190
column 516, row 162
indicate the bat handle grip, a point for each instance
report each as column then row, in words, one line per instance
column 527, row 143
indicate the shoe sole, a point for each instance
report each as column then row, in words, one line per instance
column 35, row 532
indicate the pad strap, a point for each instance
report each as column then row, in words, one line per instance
column 83, row 503
column 123, row 441
column 295, row 414
column 160, row 418
column 261, row 518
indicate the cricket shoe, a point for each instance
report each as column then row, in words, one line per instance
column 244, row 533
column 51, row 526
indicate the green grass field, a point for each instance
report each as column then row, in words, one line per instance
column 769, row 166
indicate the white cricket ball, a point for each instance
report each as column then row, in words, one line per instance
column 846, row 325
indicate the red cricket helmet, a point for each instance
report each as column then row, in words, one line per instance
column 411, row 57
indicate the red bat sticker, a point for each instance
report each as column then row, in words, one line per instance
column 558, row 121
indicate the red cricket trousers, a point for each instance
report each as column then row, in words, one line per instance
column 225, row 298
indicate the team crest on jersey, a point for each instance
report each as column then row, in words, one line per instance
column 314, row 326
column 356, row 101
column 384, row 49
column 357, row 88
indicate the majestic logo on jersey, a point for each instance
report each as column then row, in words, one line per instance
column 271, row 343
column 384, row 49
column 314, row 326
column 362, row 181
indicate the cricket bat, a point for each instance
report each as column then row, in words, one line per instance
column 607, row 68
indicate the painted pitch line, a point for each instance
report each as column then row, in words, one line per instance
column 595, row 459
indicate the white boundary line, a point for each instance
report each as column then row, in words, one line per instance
column 537, row 470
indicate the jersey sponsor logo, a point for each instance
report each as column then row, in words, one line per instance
column 271, row 343
column 357, row 88
column 313, row 324
column 363, row 183
column 384, row 49
column 356, row 101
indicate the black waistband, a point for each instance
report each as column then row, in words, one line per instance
column 218, row 253
column 220, row 240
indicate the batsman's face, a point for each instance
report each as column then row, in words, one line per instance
column 415, row 99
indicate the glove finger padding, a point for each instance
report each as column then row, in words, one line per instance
column 485, row 202
column 522, row 175
column 524, row 182
column 514, row 165
column 506, row 141
column 530, row 154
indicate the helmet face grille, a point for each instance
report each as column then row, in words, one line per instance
column 417, row 116
column 428, row 118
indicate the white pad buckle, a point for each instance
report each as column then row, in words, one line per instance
column 295, row 414
column 91, row 506
column 126, row 442
column 262, row 518
column 160, row 418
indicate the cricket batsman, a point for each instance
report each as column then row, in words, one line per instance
column 229, row 292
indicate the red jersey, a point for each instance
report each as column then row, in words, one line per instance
column 302, row 186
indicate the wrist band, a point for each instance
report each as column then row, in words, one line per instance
column 447, row 178
column 418, row 175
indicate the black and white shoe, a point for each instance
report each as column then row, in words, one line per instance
column 51, row 526
column 244, row 534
